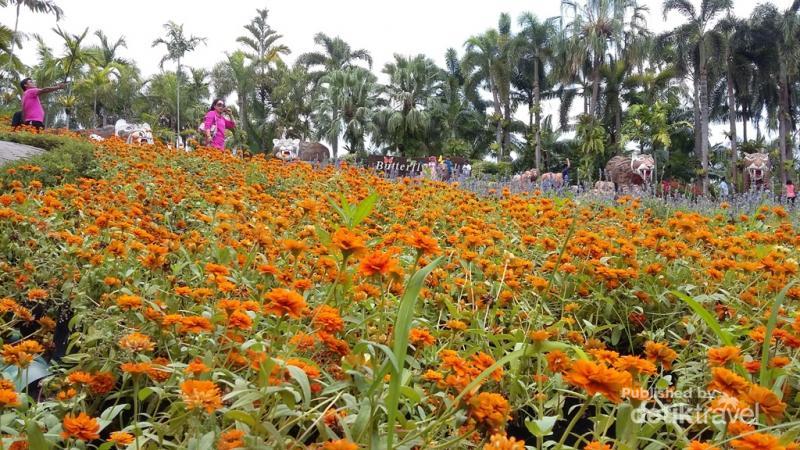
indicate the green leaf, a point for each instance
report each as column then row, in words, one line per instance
column 541, row 427
column 110, row 413
column 144, row 393
column 245, row 418
column 402, row 328
column 764, row 377
column 707, row 317
column 324, row 236
column 302, row 379
column 363, row 209
column 36, row 440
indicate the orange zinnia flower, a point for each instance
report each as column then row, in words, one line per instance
column 721, row 356
column 697, row 445
column 421, row 338
column 501, row 442
column 423, row 243
column 195, row 324
column 596, row 446
column 201, row 394
column 230, row 440
column 765, row 401
column 285, row 302
column 121, row 438
column 102, row 383
column 82, row 427
column 660, row 353
column 377, row 263
column 128, row 302
column 757, row 441
column 136, row 342
column 597, row 379
column 196, row 367
column 341, row 444
column 348, row 242
column 8, row 397
column 727, row 382
column 239, row 319
column 558, row 361
column 490, row 409
column 327, row 318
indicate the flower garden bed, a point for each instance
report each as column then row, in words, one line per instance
column 218, row 303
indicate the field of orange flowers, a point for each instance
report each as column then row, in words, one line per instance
column 210, row 302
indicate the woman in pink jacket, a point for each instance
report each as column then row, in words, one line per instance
column 216, row 124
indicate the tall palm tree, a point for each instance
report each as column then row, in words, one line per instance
column 177, row 46
column 344, row 107
column 699, row 32
column 414, row 83
column 98, row 80
column 732, row 30
column 336, row 54
column 75, row 56
column 489, row 62
column 107, row 50
column 37, row 6
column 537, row 39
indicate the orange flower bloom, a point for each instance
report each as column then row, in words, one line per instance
column 348, row 242
column 128, row 302
column 456, row 325
column 501, row 442
column 230, row 440
column 490, row 409
column 757, row 441
column 82, row 427
column 377, row 263
column 423, row 243
column 201, row 394
column 597, row 379
column 239, row 319
column 136, row 342
column 727, row 382
column 765, row 401
column 195, row 324
column 8, row 397
column 121, row 438
column 659, row 353
column 327, row 318
column 341, row 444
column 697, row 445
column 635, row 365
column 596, row 446
column 285, row 302
column 721, row 356
column 421, row 338
column 196, row 367
column 102, row 383
column 558, row 361
column 79, row 377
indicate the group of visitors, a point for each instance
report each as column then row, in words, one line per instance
column 215, row 123
column 444, row 169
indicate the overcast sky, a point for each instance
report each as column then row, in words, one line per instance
column 383, row 27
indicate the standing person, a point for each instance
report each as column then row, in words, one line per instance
column 791, row 194
column 216, row 123
column 448, row 169
column 32, row 110
column 724, row 191
column 565, row 174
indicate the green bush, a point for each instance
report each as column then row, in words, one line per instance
column 65, row 161
column 492, row 170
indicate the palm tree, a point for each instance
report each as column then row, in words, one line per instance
column 344, row 107
column 177, row 46
column 235, row 75
column 489, row 62
column 699, row 33
column 97, row 81
column 732, row 31
column 414, row 83
column 75, row 56
column 37, row 6
column 537, row 39
column 336, row 54
column 107, row 51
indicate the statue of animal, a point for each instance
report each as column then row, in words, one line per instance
column 294, row 150
column 138, row 133
column 756, row 170
column 554, row 180
column 629, row 171
column 529, row 176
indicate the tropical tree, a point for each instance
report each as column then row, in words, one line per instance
column 489, row 61
column 235, row 75
column 336, row 54
column 344, row 108
column 98, row 81
column 537, row 41
column 698, row 33
column 293, row 98
column 177, row 45
column 37, row 6
column 75, row 57
column 414, row 87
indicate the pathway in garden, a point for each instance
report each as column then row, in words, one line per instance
column 10, row 151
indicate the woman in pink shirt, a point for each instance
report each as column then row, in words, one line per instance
column 216, row 124
column 790, row 192
column 32, row 111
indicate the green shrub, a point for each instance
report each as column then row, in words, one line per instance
column 492, row 170
column 66, row 160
